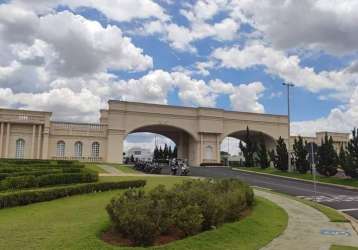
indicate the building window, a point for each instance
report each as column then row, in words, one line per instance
column 78, row 149
column 20, row 148
column 209, row 152
column 61, row 149
column 95, row 150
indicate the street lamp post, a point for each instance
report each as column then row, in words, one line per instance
column 288, row 85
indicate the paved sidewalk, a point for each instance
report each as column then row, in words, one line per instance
column 308, row 228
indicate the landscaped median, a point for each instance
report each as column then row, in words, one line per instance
column 77, row 223
column 306, row 177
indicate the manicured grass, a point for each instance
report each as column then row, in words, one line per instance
column 332, row 214
column 95, row 168
column 127, row 169
column 307, row 176
column 335, row 247
column 76, row 223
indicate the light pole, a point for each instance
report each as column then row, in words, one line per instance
column 288, row 85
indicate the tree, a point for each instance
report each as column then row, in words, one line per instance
column 262, row 155
column 165, row 152
column 300, row 155
column 175, row 152
column 156, row 153
column 132, row 158
column 350, row 167
column 281, row 157
column 248, row 150
column 170, row 153
column 342, row 157
column 327, row 157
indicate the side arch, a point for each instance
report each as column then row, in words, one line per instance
column 255, row 135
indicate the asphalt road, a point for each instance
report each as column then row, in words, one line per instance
column 343, row 199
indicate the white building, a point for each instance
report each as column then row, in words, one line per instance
column 138, row 153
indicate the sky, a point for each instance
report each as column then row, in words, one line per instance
column 72, row 56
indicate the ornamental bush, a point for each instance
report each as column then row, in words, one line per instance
column 20, row 198
column 31, row 181
column 190, row 207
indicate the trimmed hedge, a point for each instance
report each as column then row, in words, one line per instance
column 27, row 197
column 30, row 181
column 211, row 164
column 186, row 209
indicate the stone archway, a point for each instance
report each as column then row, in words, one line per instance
column 183, row 139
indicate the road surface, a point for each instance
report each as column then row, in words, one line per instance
column 342, row 199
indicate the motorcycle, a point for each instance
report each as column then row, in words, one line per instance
column 184, row 170
column 174, row 167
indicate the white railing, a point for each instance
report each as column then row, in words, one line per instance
column 21, row 118
column 72, row 158
column 82, row 129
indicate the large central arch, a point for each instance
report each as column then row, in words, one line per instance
column 183, row 139
column 198, row 132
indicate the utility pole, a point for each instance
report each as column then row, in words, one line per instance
column 313, row 166
column 288, row 85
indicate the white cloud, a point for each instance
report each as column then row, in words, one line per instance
column 201, row 25
column 245, row 97
column 338, row 120
column 330, row 25
column 66, row 104
column 119, row 10
column 286, row 67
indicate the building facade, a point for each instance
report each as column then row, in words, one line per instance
column 339, row 139
column 197, row 132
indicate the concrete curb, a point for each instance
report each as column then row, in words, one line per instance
column 297, row 179
column 353, row 221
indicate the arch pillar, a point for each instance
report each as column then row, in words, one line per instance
column 115, row 146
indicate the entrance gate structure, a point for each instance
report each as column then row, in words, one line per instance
column 197, row 132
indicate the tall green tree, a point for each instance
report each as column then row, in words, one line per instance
column 166, row 152
column 300, row 155
column 248, row 150
column 351, row 165
column 170, row 152
column 327, row 157
column 262, row 155
column 342, row 157
column 281, row 157
column 175, row 152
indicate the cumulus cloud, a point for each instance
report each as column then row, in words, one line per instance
column 328, row 25
column 285, row 66
column 66, row 104
column 119, row 10
column 201, row 25
column 338, row 120
column 245, row 97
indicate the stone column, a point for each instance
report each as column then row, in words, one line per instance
column 45, row 144
column 218, row 159
column 32, row 156
column 115, row 146
column 39, row 142
column 1, row 138
column 7, row 140
column 201, row 148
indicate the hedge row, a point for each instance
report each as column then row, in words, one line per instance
column 27, row 197
column 33, row 165
column 186, row 209
column 38, row 161
column 31, row 181
column 211, row 164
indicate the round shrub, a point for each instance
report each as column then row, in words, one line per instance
column 189, row 208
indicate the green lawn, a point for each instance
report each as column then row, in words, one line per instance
column 128, row 169
column 94, row 167
column 307, row 176
column 332, row 214
column 335, row 247
column 76, row 222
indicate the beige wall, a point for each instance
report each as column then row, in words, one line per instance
column 198, row 132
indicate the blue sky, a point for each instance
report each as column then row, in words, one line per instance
column 71, row 56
